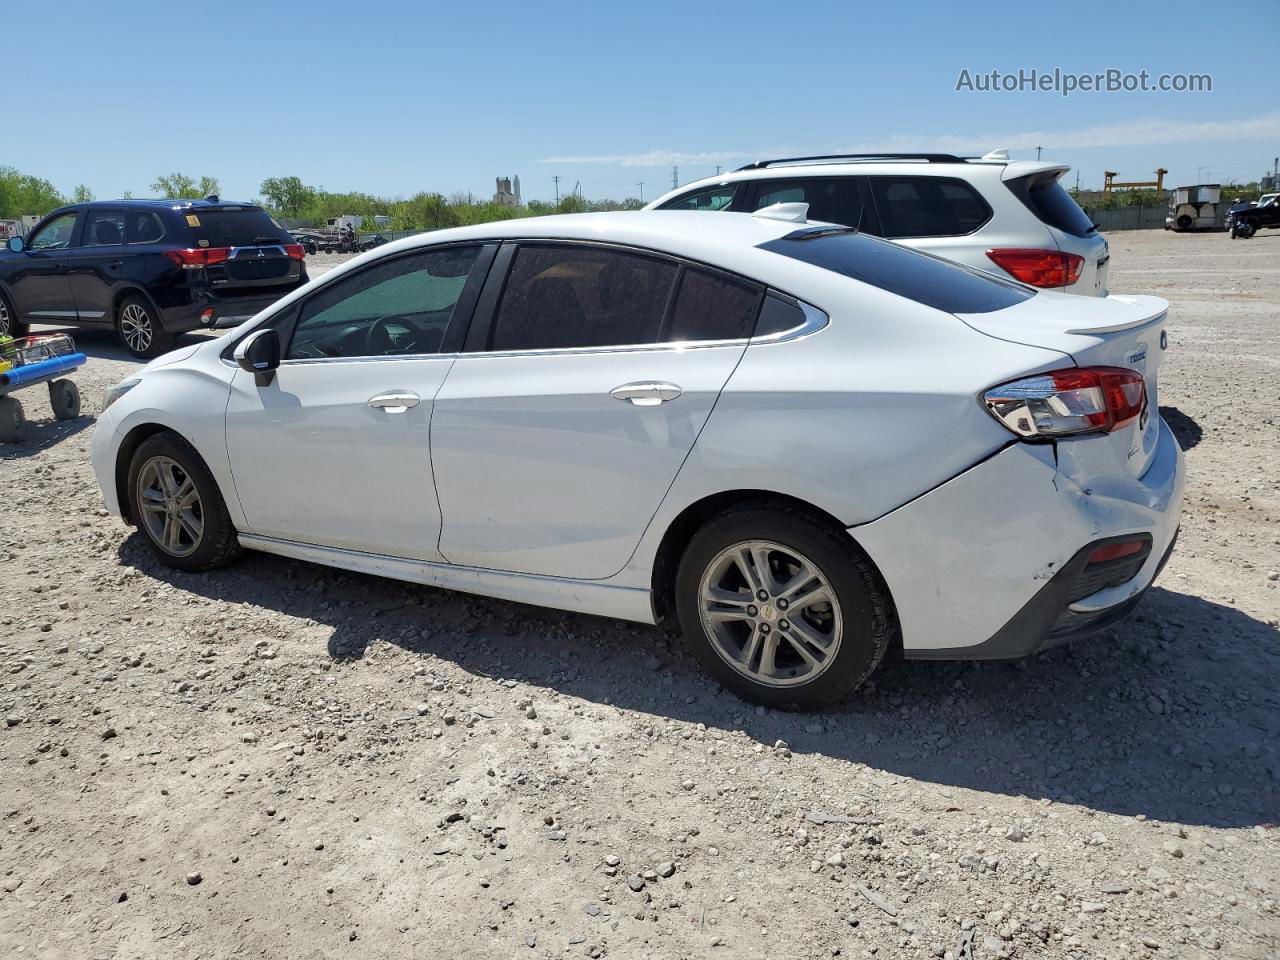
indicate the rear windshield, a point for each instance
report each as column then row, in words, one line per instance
column 245, row 227
column 1046, row 198
column 908, row 273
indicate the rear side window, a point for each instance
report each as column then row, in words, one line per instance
column 928, row 206
column 833, row 200
column 709, row 198
column 103, row 228
column 908, row 273
column 1044, row 196
column 231, row 227
column 142, row 228
column 711, row 306
column 563, row 296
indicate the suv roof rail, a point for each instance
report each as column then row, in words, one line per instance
column 837, row 157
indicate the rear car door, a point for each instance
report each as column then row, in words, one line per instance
column 39, row 284
column 582, row 390
column 96, row 263
column 334, row 451
column 830, row 199
column 940, row 215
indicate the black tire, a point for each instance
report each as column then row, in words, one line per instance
column 64, row 397
column 9, row 325
column 1246, row 229
column 217, row 545
column 867, row 612
column 1184, row 222
column 139, row 329
column 11, row 420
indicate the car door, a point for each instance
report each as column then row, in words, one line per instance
column 95, row 263
column 581, row 391
column 830, row 199
column 944, row 216
column 39, row 284
column 334, row 450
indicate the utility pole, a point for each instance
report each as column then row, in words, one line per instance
column 1037, row 153
column 556, row 178
column 641, row 186
column 675, row 177
column 717, row 169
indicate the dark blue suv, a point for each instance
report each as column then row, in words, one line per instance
column 148, row 268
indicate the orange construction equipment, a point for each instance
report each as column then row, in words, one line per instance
column 1110, row 182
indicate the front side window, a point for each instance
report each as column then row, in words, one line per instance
column 564, row 296
column 709, row 198
column 712, row 306
column 928, row 206
column 56, row 234
column 398, row 307
column 830, row 200
column 103, row 228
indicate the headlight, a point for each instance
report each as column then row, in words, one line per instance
column 119, row 390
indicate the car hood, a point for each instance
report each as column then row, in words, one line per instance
column 173, row 356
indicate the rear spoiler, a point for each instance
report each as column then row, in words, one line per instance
column 1026, row 168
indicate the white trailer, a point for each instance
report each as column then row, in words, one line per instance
column 1194, row 208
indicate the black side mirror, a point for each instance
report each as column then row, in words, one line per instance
column 259, row 354
column 15, row 244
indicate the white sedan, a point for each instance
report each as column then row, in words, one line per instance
column 799, row 441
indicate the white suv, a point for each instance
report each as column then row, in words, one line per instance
column 1011, row 218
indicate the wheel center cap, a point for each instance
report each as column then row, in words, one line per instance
column 769, row 613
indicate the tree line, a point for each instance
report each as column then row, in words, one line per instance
column 290, row 198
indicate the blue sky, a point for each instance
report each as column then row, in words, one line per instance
column 446, row 96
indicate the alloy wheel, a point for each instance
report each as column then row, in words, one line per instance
column 770, row 613
column 135, row 327
column 5, row 321
column 170, row 506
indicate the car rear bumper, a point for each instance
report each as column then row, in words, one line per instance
column 989, row 565
column 209, row 308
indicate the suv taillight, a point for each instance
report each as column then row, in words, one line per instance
column 1038, row 268
column 295, row 250
column 1066, row 402
column 192, row 258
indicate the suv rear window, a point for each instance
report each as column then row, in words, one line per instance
column 928, row 206
column 908, row 273
column 1044, row 196
column 231, row 227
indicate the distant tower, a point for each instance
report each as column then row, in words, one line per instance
column 519, row 202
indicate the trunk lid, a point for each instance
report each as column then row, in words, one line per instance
column 1114, row 331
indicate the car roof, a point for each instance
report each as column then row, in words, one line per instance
column 149, row 203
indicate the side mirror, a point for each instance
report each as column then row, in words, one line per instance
column 259, row 354
column 16, row 244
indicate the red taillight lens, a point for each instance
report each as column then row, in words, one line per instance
column 295, row 250
column 192, row 258
column 1039, row 268
column 1114, row 551
column 1066, row 402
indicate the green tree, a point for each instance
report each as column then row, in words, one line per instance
column 288, row 196
column 81, row 194
column 21, row 193
column 179, row 186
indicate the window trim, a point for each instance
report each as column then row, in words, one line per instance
column 154, row 216
column 871, row 195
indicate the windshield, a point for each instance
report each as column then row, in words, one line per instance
column 908, row 273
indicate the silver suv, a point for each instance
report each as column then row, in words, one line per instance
column 1011, row 218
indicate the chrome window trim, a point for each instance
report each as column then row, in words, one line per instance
column 814, row 320
column 393, row 357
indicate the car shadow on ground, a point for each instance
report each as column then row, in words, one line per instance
column 1151, row 717
column 1186, row 431
column 37, row 435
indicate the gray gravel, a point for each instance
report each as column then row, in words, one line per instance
column 412, row 771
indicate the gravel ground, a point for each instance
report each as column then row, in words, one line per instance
column 280, row 760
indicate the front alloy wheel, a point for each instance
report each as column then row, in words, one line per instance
column 172, row 511
column 770, row 613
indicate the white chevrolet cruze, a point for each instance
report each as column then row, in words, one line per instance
column 797, row 440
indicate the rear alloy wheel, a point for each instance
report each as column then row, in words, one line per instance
column 781, row 609
column 140, row 330
column 9, row 325
column 177, row 504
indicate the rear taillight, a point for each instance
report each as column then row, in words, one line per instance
column 193, row 258
column 1066, row 402
column 1038, row 268
column 295, row 250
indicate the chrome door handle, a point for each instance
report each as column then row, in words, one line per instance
column 397, row 402
column 646, row 394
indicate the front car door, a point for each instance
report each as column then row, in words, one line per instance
column 334, row 451
column 95, row 263
column 39, row 285
column 559, row 430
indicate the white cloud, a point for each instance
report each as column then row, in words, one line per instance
column 1136, row 133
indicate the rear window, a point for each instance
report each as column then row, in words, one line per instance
column 908, row 273
column 226, row 227
column 1044, row 196
column 928, row 206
